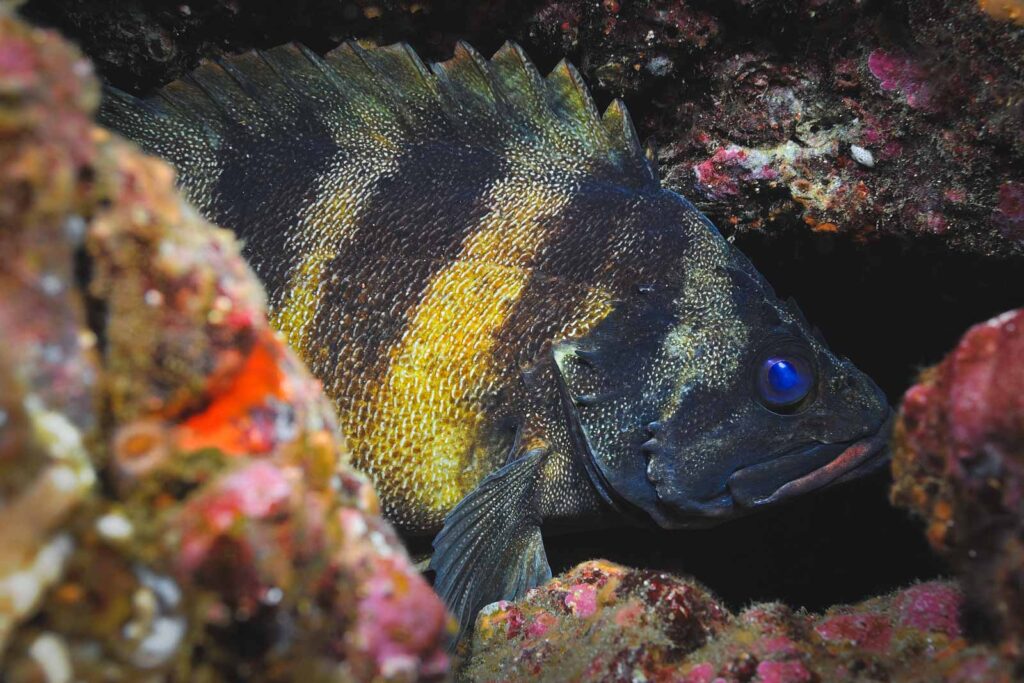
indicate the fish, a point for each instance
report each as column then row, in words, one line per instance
column 523, row 332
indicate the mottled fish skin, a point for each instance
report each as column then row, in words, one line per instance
column 506, row 307
column 411, row 229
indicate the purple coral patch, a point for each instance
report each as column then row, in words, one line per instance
column 721, row 175
column 782, row 672
column 933, row 607
column 901, row 73
column 866, row 631
column 582, row 600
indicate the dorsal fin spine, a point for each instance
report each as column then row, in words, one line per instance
column 620, row 127
column 491, row 101
column 513, row 50
column 565, row 70
column 243, row 83
column 572, row 101
column 466, row 84
column 415, row 60
column 466, row 51
column 382, row 81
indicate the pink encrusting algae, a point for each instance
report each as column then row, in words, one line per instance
column 901, row 73
column 582, row 600
column 959, row 463
column 601, row 621
column 177, row 503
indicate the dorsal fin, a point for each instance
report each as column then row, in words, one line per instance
column 399, row 70
column 572, row 102
column 468, row 94
column 392, row 98
column 623, row 136
column 518, row 79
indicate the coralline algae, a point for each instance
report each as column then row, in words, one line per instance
column 176, row 503
column 647, row 626
column 931, row 88
column 959, row 463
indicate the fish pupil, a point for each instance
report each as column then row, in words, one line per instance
column 784, row 381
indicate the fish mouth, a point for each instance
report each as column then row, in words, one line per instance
column 809, row 468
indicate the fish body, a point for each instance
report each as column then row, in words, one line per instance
column 521, row 330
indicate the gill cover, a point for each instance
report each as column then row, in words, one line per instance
column 601, row 387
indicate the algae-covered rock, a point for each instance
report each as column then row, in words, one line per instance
column 898, row 117
column 598, row 621
column 959, row 462
column 606, row 622
column 175, row 501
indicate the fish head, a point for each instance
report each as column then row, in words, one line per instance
column 703, row 396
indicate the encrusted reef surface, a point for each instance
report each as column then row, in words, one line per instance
column 866, row 154
column 174, row 498
column 959, row 462
column 604, row 622
column 853, row 116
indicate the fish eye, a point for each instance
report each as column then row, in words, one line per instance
column 784, row 381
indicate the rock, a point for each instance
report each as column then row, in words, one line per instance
column 176, row 502
column 605, row 622
column 599, row 621
column 758, row 127
column 802, row 122
column 959, row 463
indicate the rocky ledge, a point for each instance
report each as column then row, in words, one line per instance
column 175, row 501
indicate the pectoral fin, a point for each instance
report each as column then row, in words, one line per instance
column 491, row 547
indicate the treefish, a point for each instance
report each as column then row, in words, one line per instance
column 523, row 332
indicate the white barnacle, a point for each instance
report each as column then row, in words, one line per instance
column 114, row 527
column 20, row 590
column 862, row 156
column 161, row 642
column 51, row 654
column 156, row 626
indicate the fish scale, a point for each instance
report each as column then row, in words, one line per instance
column 522, row 332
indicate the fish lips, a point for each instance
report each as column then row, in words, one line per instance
column 809, row 468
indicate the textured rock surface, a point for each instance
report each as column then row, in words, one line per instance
column 163, row 515
column 604, row 622
column 765, row 100
column 174, row 501
column 848, row 116
column 959, row 462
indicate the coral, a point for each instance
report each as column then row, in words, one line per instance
column 865, row 118
column 832, row 119
column 176, row 502
column 903, row 74
column 638, row 625
column 959, row 462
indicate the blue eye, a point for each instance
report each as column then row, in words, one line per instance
column 784, row 382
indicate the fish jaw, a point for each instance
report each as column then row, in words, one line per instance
column 831, row 463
